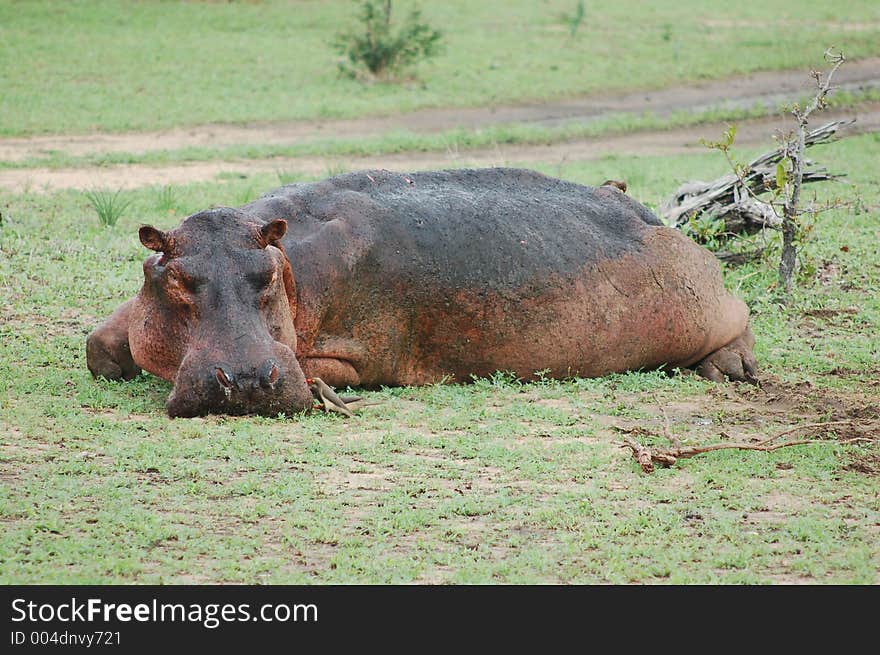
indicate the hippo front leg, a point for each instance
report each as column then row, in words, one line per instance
column 734, row 361
column 107, row 351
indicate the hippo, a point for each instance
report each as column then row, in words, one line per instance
column 379, row 278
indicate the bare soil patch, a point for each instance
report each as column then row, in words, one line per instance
column 868, row 464
column 742, row 413
column 855, row 415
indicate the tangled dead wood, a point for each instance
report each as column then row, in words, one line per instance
column 727, row 199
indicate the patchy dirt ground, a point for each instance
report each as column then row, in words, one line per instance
column 745, row 413
column 663, row 142
column 768, row 88
column 727, row 414
column 530, row 486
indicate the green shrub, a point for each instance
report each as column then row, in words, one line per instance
column 575, row 19
column 706, row 230
column 380, row 51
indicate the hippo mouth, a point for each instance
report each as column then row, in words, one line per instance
column 269, row 384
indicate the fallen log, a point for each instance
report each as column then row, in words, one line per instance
column 727, row 199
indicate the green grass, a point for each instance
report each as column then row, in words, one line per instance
column 491, row 482
column 108, row 205
column 133, row 66
column 166, row 199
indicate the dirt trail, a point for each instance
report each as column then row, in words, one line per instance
column 768, row 88
column 683, row 140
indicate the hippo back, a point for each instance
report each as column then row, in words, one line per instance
column 497, row 227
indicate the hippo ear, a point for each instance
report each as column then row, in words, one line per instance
column 152, row 238
column 272, row 232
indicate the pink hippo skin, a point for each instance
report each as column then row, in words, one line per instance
column 379, row 278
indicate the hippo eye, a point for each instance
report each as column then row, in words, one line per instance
column 183, row 280
column 262, row 279
column 191, row 283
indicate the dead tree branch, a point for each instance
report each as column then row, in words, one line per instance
column 729, row 196
column 732, row 204
column 643, row 456
column 804, row 426
column 647, row 457
column 795, row 147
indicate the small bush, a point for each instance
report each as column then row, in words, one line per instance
column 706, row 230
column 107, row 205
column 380, row 51
column 575, row 19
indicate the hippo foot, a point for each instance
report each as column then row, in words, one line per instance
column 735, row 361
column 110, row 360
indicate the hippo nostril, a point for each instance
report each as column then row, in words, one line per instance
column 224, row 380
column 270, row 374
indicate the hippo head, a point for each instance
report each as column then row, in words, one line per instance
column 215, row 316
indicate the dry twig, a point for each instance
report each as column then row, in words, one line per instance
column 647, row 457
column 667, row 431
